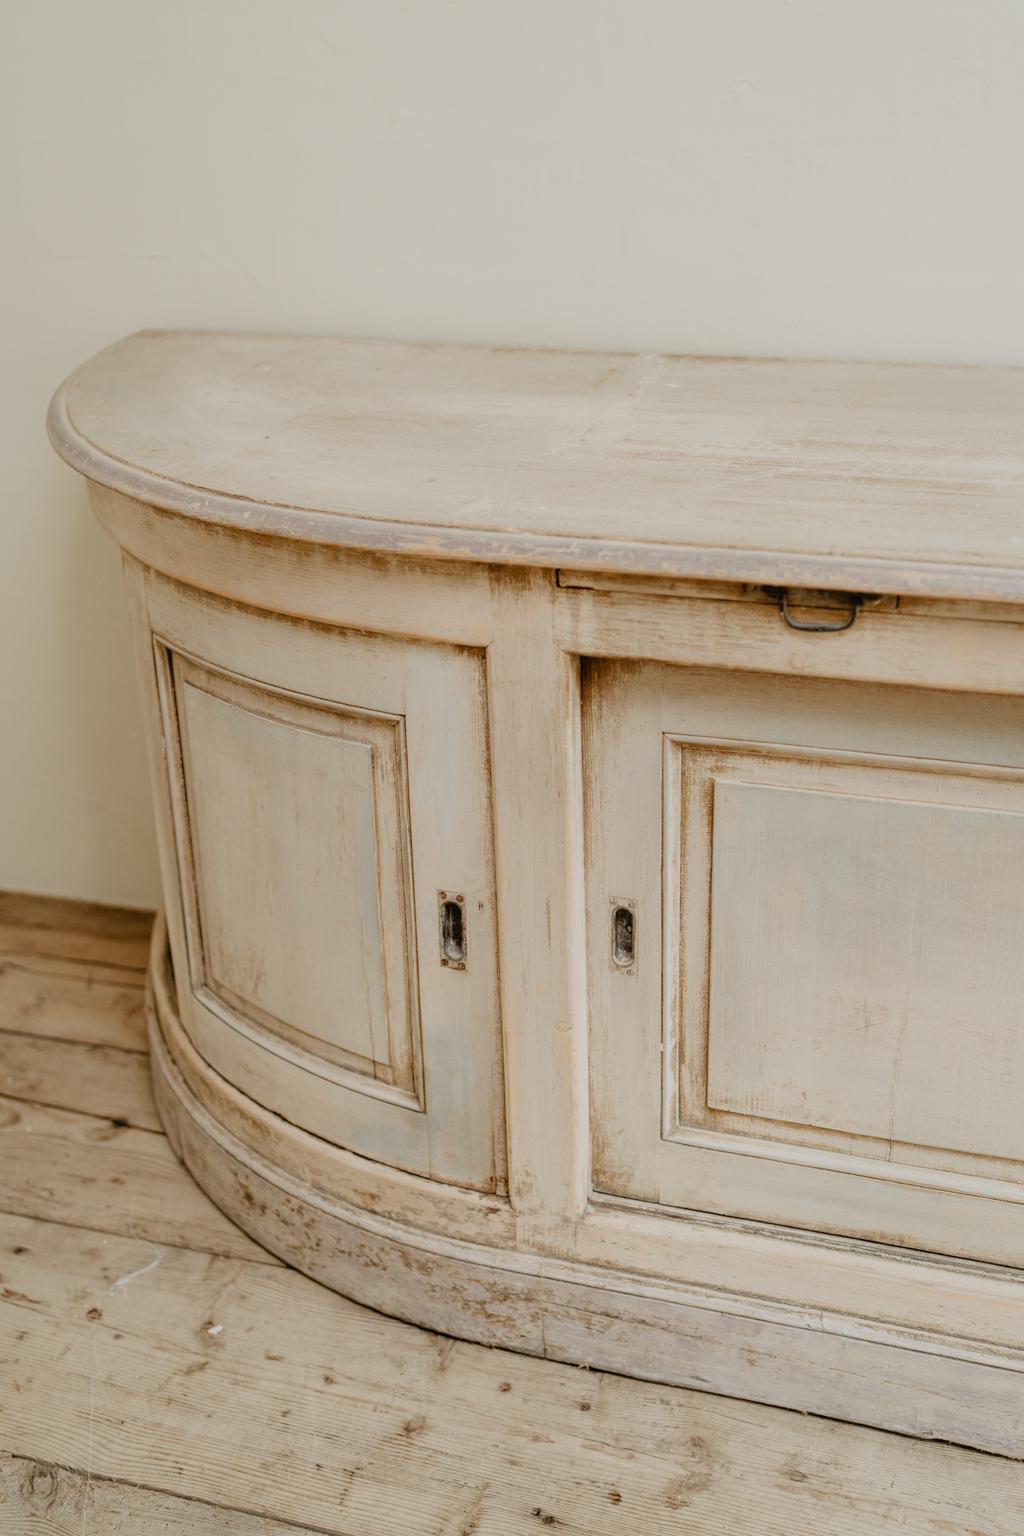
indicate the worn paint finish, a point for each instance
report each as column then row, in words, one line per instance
column 163, row 1377
column 870, row 477
column 340, row 561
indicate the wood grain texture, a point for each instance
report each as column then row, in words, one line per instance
column 319, row 796
column 79, row 930
column 211, row 1394
column 954, row 1302
column 535, row 749
column 440, row 600
column 73, row 1167
column 326, row 1168
column 69, row 998
column 41, row 1498
column 875, row 1302
column 435, row 693
column 898, row 1378
column 826, row 878
column 876, row 990
column 956, row 650
column 71, row 1074
column 876, row 478
column 794, row 1202
column 252, row 1387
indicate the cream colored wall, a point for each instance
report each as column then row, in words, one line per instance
column 834, row 178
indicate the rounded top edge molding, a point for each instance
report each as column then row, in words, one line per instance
column 886, row 478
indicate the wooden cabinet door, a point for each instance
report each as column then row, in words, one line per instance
column 335, row 948
column 806, row 938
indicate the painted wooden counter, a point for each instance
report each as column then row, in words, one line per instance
column 590, row 797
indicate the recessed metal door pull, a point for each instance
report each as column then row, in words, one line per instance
column 451, row 911
column 623, row 935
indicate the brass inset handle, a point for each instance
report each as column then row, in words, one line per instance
column 451, row 914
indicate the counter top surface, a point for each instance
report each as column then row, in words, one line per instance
column 875, row 477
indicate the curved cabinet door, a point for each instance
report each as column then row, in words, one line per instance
column 334, row 949
column 815, row 1016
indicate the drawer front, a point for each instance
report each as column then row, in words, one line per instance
column 822, row 1021
column 330, row 805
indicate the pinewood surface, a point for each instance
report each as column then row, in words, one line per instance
column 160, row 1373
column 872, row 477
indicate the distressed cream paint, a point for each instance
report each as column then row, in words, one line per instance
column 833, row 179
column 717, row 1081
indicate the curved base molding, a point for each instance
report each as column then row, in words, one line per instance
column 570, row 1311
column 446, row 790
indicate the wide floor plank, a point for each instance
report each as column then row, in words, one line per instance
column 60, row 998
column 64, row 1074
column 249, row 1385
column 85, row 1170
column 49, row 925
column 40, row 1499
column 160, row 1373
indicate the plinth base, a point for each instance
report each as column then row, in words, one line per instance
column 272, row 1179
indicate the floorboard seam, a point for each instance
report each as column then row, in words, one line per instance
column 270, row 1262
column 185, row 1498
column 92, row 1045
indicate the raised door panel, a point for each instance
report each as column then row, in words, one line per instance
column 824, row 1026
column 299, row 829
column 328, row 792
column 866, row 970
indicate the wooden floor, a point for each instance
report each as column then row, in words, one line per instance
column 160, row 1373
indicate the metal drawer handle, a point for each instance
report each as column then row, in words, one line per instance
column 855, row 600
